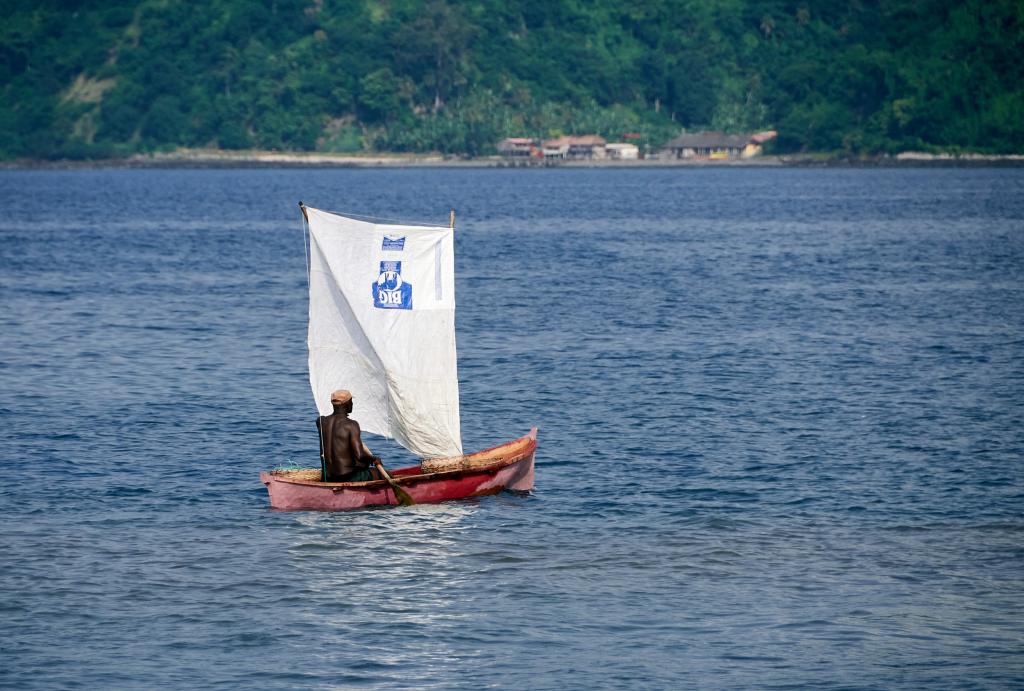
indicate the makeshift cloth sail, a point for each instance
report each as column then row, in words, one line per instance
column 382, row 325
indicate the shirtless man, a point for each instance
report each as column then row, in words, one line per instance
column 346, row 459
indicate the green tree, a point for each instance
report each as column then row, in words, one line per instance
column 434, row 50
column 165, row 121
column 378, row 95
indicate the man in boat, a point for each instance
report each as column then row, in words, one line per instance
column 346, row 458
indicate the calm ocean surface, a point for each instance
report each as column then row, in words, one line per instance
column 781, row 434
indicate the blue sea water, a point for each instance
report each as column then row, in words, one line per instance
column 781, row 434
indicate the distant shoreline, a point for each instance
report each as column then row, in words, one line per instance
column 204, row 158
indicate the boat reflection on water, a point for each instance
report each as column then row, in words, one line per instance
column 380, row 587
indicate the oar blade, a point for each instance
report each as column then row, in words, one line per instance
column 402, row 496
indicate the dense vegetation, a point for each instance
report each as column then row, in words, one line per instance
column 98, row 78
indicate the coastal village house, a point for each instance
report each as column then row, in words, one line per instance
column 715, row 146
column 620, row 151
column 757, row 141
column 589, row 146
column 556, row 148
column 518, row 147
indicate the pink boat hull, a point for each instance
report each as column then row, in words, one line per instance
column 508, row 466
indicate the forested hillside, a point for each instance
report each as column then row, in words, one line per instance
column 100, row 78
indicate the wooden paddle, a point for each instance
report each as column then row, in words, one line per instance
column 401, row 496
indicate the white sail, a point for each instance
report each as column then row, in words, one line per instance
column 382, row 325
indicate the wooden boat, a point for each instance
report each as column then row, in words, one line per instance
column 505, row 467
column 382, row 325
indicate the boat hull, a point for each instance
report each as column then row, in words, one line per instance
column 505, row 467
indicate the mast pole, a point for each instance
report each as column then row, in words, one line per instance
column 451, row 219
column 306, row 249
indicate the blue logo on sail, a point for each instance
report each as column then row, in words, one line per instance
column 390, row 292
column 393, row 244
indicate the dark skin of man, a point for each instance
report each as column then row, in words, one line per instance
column 344, row 452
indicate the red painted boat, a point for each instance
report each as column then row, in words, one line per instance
column 505, row 467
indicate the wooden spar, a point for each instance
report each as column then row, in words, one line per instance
column 451, row 215
column 451, row 220
column 323, row 458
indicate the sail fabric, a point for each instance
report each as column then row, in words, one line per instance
column 382, row 325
